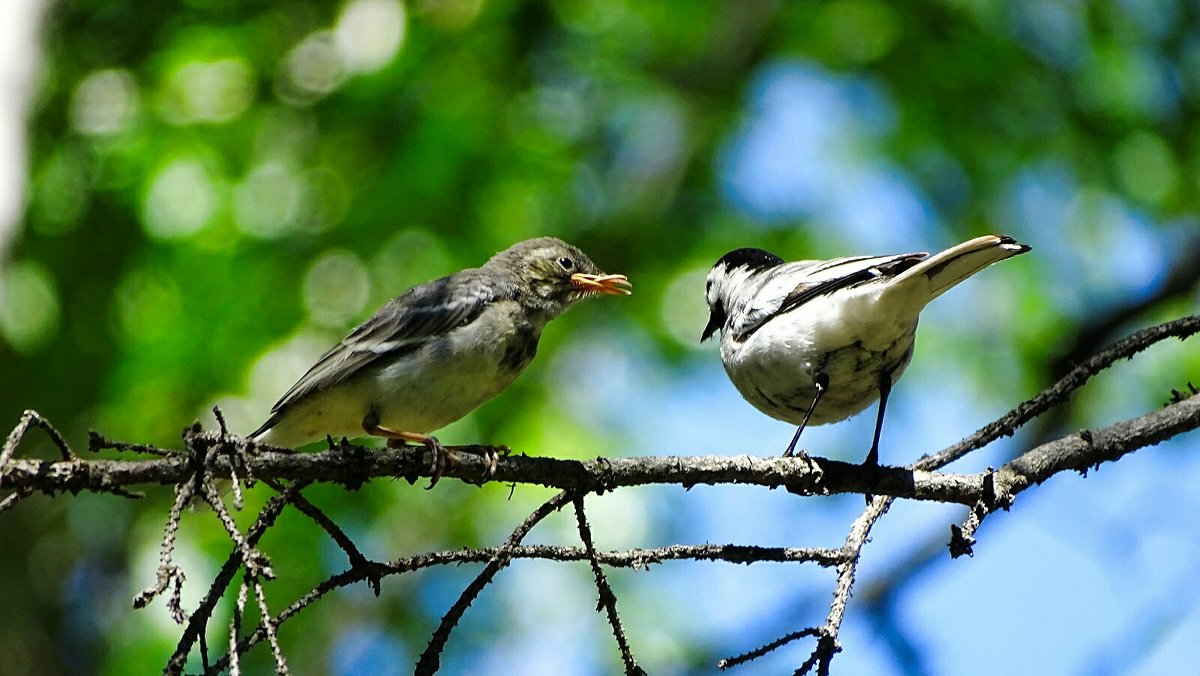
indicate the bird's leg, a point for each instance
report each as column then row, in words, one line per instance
column 872, row 461
column 399, row 439
column 885, row 388
column 821, row 383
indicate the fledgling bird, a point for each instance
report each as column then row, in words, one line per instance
column 439, row 350
column 818, row 341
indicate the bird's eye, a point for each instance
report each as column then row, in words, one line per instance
column 566, row 263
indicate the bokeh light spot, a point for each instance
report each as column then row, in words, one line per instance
column 29, row 307
column 450, row 14
column 1126, row 84
column 61, row 190
column 683, row 308
column 336, row 288
column 858, row 31
column 313, row 69
column 104, row 102
column 652, row 142
column 1146, row 167
column 515, row 203
column 181, row 199
column 275, row 371
column 410, row 257
column 369, row 33
column 207, row 91
column 148, row 304
column 266, row 204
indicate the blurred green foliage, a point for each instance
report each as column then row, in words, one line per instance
column 219, row 190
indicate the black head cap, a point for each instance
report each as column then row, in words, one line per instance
column 753, row 259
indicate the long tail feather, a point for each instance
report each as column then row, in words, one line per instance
column 947, row 268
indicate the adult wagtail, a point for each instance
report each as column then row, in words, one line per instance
column 815, row 342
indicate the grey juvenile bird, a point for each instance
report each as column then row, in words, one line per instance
column 435, row 353
column 818, row 341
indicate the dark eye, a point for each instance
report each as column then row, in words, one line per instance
column 566, row 263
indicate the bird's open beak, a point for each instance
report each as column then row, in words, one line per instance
column 617, row 285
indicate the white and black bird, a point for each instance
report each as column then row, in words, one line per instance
column 815, row 342
column 438, row 351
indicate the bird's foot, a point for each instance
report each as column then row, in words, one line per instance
column 871, row 468
column 400, row 439
column 801, row 455
column 491, row 458
column 437, row 461
column 791, row 452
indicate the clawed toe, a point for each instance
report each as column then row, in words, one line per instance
column 802, row 454
column 491, row 458
column 437, row 463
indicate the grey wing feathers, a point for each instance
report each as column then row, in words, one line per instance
column 404, row 323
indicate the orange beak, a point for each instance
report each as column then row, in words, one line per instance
column 615, row 285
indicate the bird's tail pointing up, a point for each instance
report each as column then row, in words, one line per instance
column 947, row 268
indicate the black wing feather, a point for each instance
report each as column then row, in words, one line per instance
column 806, row 291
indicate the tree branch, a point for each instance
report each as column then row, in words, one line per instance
column 218, row 454
column 607, row 599
column 430, row 659
column 821, row 476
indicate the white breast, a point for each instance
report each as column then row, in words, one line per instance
column 851, row 341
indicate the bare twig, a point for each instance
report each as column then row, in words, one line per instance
column 730, row 662
column 356, row 557
column 1076, row 452
column 199, row 618
column 13, row 498
column 269, row 626
column 168, row 571
column 860, row 530
column 607, row 600
column 1180, row 277
column 431, row 657
column 817, row 476
column 632, row 558
column 98, row 442
column 1059, row 392
column 827, row 643
column 235, row 627
column 255, row 561
column 30, row 419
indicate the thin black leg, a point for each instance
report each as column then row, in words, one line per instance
column 821, row 383
column 885, row 388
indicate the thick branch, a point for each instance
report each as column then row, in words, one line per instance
column 822, row 476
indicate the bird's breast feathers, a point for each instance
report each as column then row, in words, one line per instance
column 454, row 373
